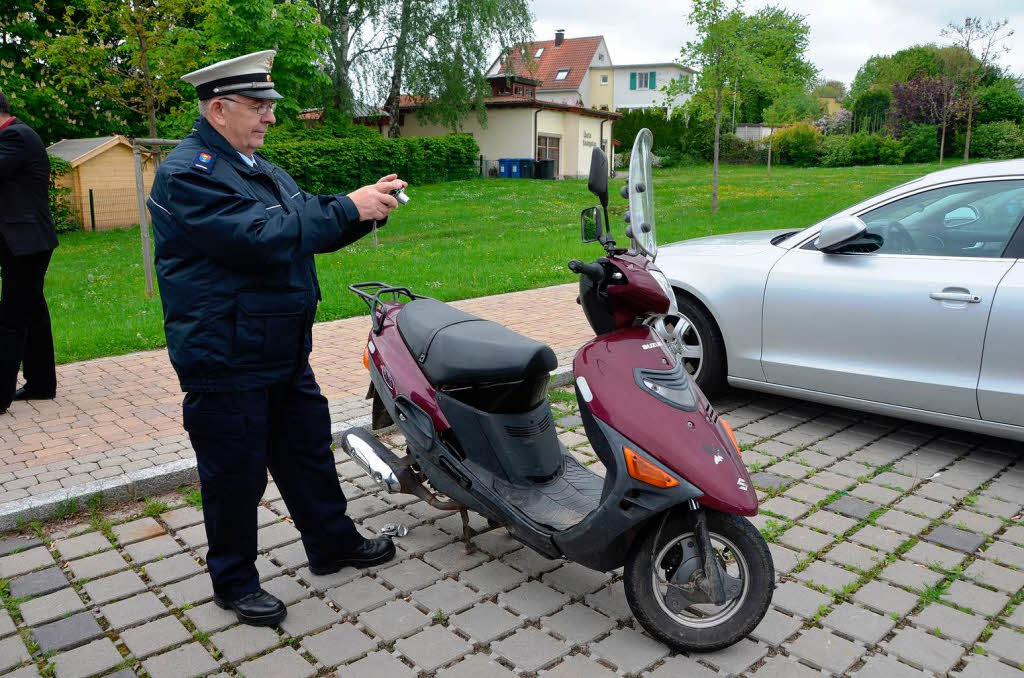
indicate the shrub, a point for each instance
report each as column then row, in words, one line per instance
column 921, row 143
column 65, row 216
column 835, row 151
column 864, row 148
column 667, row 131
column 839, row 122
column 1000, row 101
column 998, row 141
column 736, row 151
column 891, row 151
column 332, row 165
column 871, row 108
column 797, row 144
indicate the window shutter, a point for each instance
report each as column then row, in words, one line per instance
column 632, row 80
column 650, row 83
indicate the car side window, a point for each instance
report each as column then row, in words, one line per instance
column 966, row 220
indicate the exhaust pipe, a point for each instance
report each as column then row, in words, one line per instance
column 373, row 457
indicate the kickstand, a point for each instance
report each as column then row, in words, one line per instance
column 467, row 532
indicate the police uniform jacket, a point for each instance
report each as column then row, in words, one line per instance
column 25, row 222
column 234, row 260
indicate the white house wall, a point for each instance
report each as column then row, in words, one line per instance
column 646, row 98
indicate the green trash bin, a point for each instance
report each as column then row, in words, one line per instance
column 546, row 169
column 525, row 168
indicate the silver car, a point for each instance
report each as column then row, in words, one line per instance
column 908, row 304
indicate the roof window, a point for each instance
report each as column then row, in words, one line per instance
column 538, row 53
column 562, row 74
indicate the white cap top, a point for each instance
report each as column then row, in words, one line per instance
column 248, row 75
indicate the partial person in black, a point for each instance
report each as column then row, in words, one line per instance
column 235, row 238
column 27, row 241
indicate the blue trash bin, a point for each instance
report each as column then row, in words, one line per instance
column 513, row 168
column 504, row 165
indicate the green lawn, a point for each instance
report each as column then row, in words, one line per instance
column 457, row 240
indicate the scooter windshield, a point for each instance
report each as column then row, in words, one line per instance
column 641, row 195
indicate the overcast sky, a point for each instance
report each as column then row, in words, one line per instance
column 844, row 33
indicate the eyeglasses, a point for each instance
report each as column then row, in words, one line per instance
column 259, row 109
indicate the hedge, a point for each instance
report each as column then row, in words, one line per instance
column 998, row 141
column 329, row 165
column 65, row 216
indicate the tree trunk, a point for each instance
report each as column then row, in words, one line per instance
column 769, row 156
column 967, row 141
column 942, row 142
column 343, row 98
column 149, row 98
column 395, row 95
column 714, row 167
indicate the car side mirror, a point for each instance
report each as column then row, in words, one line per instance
column 838, row 232
column 591, row 224
column 598, row 184
column 961, row 216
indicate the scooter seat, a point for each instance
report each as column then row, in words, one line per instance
column 455, row 348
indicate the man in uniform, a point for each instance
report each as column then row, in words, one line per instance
column 235, row 239
column 27, row 241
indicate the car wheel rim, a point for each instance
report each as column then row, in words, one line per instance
column 703, row 616
column 687, row 346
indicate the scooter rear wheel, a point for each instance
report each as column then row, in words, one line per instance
column 703, row 627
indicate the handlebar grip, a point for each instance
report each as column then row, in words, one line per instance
column 593, row 271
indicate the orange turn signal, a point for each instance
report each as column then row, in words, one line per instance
column 645, row 471
column 732, row 436
column 366, row 357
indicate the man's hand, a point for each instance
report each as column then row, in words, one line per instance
column 375, row 202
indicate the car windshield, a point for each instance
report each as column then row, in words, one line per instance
column 641, row 195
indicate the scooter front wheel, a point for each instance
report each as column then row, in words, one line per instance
column 663, row 564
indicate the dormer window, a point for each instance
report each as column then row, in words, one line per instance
column 562, row 74
column 538, row 53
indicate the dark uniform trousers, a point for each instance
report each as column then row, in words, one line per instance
column 237, row 436
column 26, row 338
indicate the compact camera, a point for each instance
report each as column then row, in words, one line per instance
column 400, row 196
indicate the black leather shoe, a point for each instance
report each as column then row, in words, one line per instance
column 369, row 553
column 22, row 394
column 258, row 608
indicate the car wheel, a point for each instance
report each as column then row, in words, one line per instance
column 699, row 345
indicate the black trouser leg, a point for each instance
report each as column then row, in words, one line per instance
column 229, row 432
column 302, row 464
column 22, row 306
column 38, row 364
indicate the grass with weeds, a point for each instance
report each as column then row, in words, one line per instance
column 193, row 496
column 154, row 507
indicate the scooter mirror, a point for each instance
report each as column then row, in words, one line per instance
column 591, row 224
column 598, row 184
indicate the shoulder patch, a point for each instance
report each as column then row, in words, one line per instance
column 204, row 161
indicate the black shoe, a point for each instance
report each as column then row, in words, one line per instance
column 258, row 608
column 369, row 553
column 22, row 394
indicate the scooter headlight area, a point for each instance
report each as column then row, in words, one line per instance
column 666, row 287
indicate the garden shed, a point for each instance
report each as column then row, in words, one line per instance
column 102, row 180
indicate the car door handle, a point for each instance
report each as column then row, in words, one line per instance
column 964, row 297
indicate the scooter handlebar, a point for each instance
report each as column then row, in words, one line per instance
column 593, row 271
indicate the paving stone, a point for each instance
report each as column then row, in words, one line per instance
column 858, row 623
column 379, row 665
column 882, row 666
column 291, row 555
column 209, row 618
column 485, row 622
column 922, row 507
column 38, row 583
column 395, row 620
column 137, row 530
column 324, row 583
column 954, row 538
column 446, row 595
column 831, row 577
column 145, row 551
column 942, row 493
column 1007, row 644
column 1015, row 534
column 910, row 575
column 19, row 543
column 779, row 667
column 12, row 653
column 951, row 623
column 971, row 597
column 308, row 616
column 493, row 577
column 878, row 538
column 785, row 507
column 578, row 624
column 286, row 588
column 898, row 480
column 29, row 671
column 338, row 645
column 575, row 579
column 931, row 555
column 479, row 666
column 497, row 543
column 181, row 518
column 76, row 547
column 1002, row 553
column 282, row 662
column 530, row 562
column 851, row 469
column 530, row 650
column 803, row 539
column 101, row 564
column 194, row 536
column 875, row 494
column 886, row 599
column 784, row 559
column 1017, row 618
column 453, row 558
column 278, row 534
column 579, row 666
column 768, row 481
column 155, row 636
column 776, row 627
column 88, row 660
column 6, row 624
column 410, row 575
column 120, row 585
column 987, row 667
column 49, row 607
column 852, row 507
column 172, row 569
column 183, row 662
column 902, row 522
column 809, row 494
column 826, row 651
column 737, row 658
column 1002, row 578
column 433, row 647
column 974, row 522
column 24, row 561
column 827, row 521
column 193, row 590
column 852, row 555
column 140, row 608
column 360, row 595
column 798, row 599
column 533, row 600
column 832, row 481
column 924, row 651
column 243, row 641
column 611, row 601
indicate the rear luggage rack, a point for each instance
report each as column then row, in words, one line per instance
column 371, row 292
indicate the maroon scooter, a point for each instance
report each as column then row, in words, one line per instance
column 470, row 397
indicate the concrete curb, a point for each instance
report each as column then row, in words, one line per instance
column 148, row 481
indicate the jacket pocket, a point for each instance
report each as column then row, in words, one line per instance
column 221, row 425
column 269, row 326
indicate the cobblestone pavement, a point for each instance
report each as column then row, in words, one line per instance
column 898, row 550
column 119, row 415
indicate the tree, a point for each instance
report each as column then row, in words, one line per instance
column 983, row 39
column 441, row 50
column 925, row 101
column 871, row 108
column 1000, row 101
column 831, row 89
column 790, row 106
column 353, row 40
column 720, row 54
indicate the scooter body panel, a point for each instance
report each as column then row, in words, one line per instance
column 690, row 442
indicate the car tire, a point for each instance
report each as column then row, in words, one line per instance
column 711, row 374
